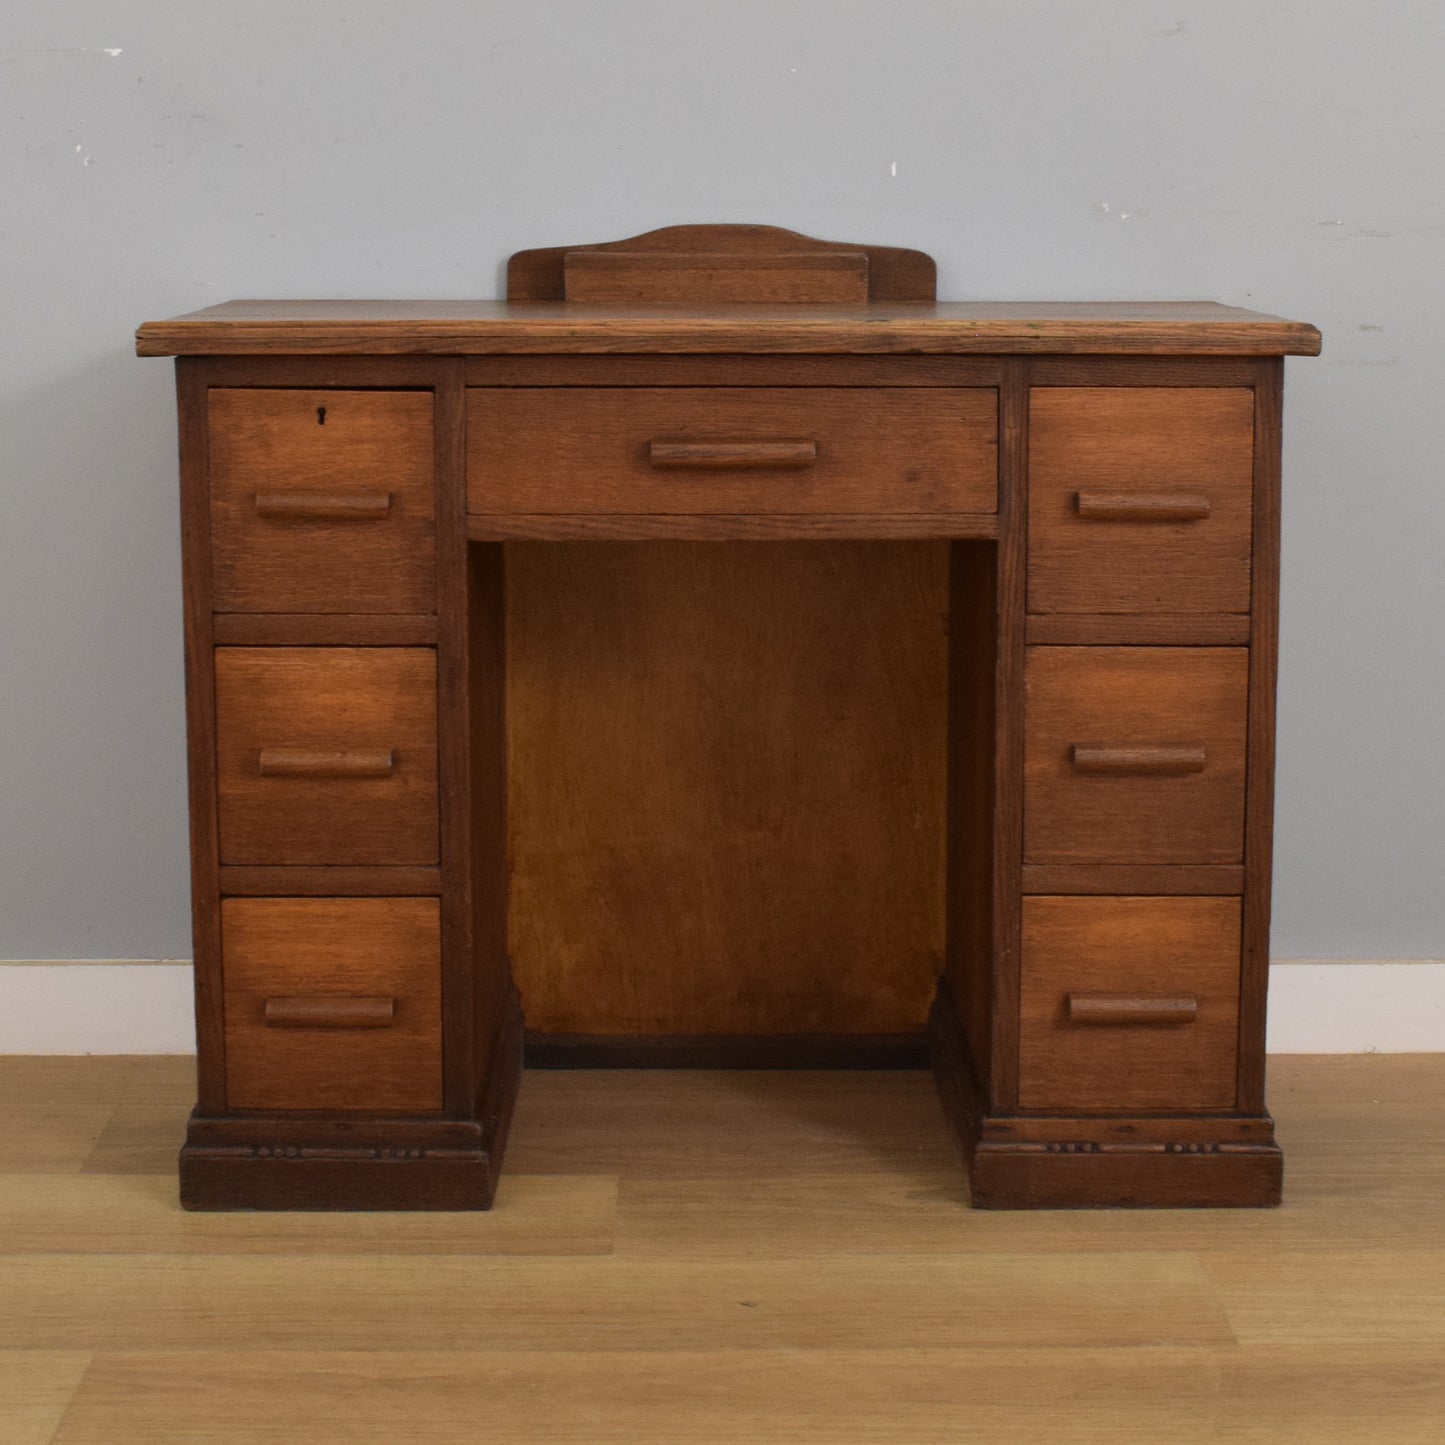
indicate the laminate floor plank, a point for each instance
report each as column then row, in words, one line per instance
column 1373, row 1176
column 35, row 1388
column 1195, row 1396
column 927, row 1396
column 821, row 1215
column 1313, row 1394
column 1335, row 1103
column 51, row 1138
column 140, row 1139
column 1375, row 1297
column 138, row 1214
column 91, row 1079
column 1395, row 1104
column 1181, row 1396
column 791, row 1262
column 255, row 1301
column 730, row 1123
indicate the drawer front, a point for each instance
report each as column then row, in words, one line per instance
column 322, row 501
column 332, row 1003
column 1140, row 499
column 1135, row 754
column 326, row 755
column 1129, row 1003
column 732, row 449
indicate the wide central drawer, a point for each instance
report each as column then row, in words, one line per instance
column 732, row 449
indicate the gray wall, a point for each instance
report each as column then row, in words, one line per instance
column 161, row 155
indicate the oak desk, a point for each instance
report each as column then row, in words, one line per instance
column 960, row 748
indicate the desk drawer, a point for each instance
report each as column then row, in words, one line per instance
column 326, row 755
column 1135, row 754
column 322, row 501
column 1140, row 499
column 732, row 449
column 1129, row 1003
column 332, row 1003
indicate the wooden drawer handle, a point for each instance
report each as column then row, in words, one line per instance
column 330, row 1011
column 1142, row 506
column 723, row 456
column 1165, row 760
column 309, row 763
column 292, row 506
column 1132, row 1008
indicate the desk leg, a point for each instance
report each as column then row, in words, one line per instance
column 342, row 1154
column 1154, row 1161
column 1089, row 1157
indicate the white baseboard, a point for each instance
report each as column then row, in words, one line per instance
column 99, row 1006
column 1357, row 1006
column 128, row 1006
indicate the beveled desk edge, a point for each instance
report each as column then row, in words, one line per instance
column 461, row 328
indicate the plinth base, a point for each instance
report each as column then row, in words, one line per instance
column 1200, row 1161
column 365, row 1163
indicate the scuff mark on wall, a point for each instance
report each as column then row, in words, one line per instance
column 110, row 50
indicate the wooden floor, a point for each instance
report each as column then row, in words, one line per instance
column 721, row 1258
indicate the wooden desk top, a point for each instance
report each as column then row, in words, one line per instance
column 452, row 328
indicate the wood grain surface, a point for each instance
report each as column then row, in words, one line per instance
column 728, row 369
column 343, row 949
column 241, row 881
column 1263, row 668
column 1149, row 947
column 709, row 277
column 585, row 449
column 322, row 501
column 733, row 527
column 325, row 699
column 1123, row 697
column 1140, row 499
column 887, row 273
column 479, row 975
column 971, row 783
column 592, row 1305
column 349, row 629
column 197, row 576
column 1206, row 878
column 1160, row 629
column 462, row 328
column 1187, row 1395
column 726, row 786
column 755, row 1198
